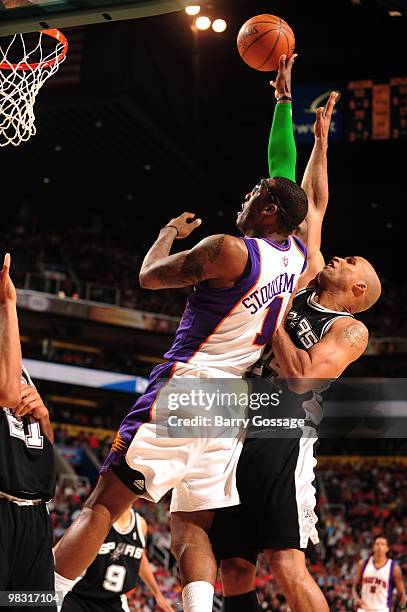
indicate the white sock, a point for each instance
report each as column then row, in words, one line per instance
column 197, row 596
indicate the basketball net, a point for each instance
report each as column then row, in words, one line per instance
column 20, row 82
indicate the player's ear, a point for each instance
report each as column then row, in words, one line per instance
column 270, row 209
column 359, row 289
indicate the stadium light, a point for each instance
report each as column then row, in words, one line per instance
column 192, row 9
column 219, row 25
column 203, row 23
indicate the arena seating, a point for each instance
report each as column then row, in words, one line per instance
column 110, row 264
column 359, row 498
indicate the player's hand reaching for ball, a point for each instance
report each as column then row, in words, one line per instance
column 324, row 118
column 184, row 225
column 7, row 289
column 31, row 403
column 282, row 84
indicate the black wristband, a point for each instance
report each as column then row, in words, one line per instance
column 173, row 226
column 285, row 98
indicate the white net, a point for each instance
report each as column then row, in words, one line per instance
column 38, row 58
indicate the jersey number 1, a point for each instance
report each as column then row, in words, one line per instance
column 269, row 322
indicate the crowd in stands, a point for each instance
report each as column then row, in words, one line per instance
column 110, row 261
column 84, row 439
column 359, row 499
column 362, row 500
column 64, row 262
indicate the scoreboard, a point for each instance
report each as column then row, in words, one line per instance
column 377, row 111
column 398, row 89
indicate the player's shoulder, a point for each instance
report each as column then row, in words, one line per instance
column 224, row 244
column 142, row 522
column 353, row 333
column 361, row 564
column 305, row 292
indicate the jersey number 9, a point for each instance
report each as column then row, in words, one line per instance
column 114, row 578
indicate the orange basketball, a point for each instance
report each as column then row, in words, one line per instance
column 263, row 39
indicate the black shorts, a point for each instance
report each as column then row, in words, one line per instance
column 77, row 603
column 26, row 559
column 275, row 483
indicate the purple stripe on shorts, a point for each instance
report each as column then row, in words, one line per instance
column 137, row 415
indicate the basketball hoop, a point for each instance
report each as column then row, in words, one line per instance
column 21, row 80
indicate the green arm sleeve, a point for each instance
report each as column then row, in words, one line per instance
column 282, row 154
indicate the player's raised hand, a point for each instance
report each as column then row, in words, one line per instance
column 184, row 224
column 282, row 84
column 31, row 403
column 7, row 289
column 324, row 118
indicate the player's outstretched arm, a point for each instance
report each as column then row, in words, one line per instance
column 147, row 576
column 399, row 584
column 315, row 185
column 219, row 257
column 345, row 342
column 315, row 179
column 282, row 153
column 10, row 347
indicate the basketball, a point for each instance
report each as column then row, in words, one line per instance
column 263, row 39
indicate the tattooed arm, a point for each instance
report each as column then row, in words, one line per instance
column 345, row 342
column 220, row 258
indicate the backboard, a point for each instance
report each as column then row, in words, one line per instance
column 30, row 15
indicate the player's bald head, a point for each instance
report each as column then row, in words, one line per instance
column 373, row 287
column 353, row 280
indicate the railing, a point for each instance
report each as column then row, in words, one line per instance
column 53, row 283
column 63, row 287
column 72, row 480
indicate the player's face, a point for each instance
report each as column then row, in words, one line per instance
column 380, row 546
column 255, row 201
column 343, row 272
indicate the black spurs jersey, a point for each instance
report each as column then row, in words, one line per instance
column 306, row 324
column 26, row 455
column 116, row 568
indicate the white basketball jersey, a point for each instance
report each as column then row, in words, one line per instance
column 226, row 329
column 377, row 585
